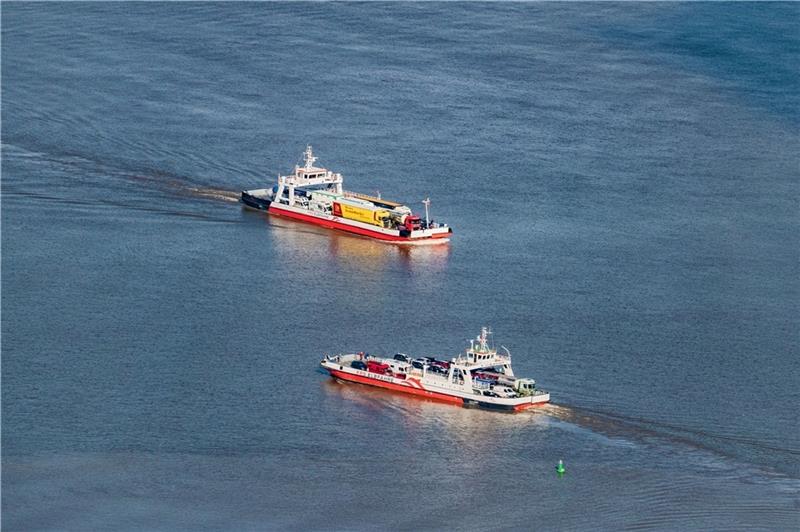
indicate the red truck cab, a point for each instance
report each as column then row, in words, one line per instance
column 413, row 223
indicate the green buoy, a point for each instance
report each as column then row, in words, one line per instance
column 560, row 468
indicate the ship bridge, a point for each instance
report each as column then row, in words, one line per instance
column 308, row 175
column 481, row 355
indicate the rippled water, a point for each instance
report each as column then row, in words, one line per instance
column 622, row 180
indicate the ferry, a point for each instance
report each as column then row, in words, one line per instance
column 481, row 376
column 316, row 195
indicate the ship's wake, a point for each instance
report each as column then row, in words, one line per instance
column 638, row 429
column 215, row 194
column 107, row 177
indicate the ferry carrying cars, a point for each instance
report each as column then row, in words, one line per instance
column 316, row 195
column 479, row 377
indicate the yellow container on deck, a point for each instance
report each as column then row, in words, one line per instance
column 362, row 214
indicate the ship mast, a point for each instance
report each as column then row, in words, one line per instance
column 310, row 159
column 483, row 339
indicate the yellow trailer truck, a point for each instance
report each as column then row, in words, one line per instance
column 360, row 213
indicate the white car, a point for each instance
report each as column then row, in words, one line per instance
column 504, row 391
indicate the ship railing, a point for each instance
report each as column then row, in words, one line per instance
column 436, row 376
column 497, row 359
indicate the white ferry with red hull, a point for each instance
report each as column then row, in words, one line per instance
column 479, row 377
column 316, row 195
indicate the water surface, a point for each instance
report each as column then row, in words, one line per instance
column 622, row 180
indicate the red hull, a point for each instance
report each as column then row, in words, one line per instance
column 411, row 389
column 332, row 224
column 396, row 387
